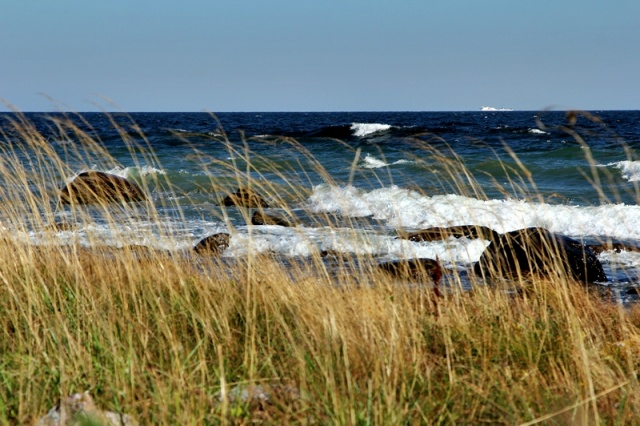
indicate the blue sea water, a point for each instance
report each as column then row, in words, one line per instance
column 572, row 173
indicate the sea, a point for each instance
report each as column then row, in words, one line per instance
column 352, row 182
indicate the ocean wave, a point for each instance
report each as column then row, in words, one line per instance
column 371, row 162
column 124, row 172
column 537, row 132
column 302, row 242
column 191, row 133
column 135, row 171
column 630, row 170
column 365, row 129
column 357, row 130
column 402, row 208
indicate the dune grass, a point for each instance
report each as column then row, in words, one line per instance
column 183, row 339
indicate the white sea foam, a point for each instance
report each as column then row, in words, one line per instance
column 128, row 172
column 622, row 263
column 401, row 208
column 303, row 241
column 630, row 169
column 395, row 208
column 125, row 172
column 365, row 129
column 537, row 132
column 371, row 162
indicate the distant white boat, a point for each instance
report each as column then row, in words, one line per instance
column 487, row 108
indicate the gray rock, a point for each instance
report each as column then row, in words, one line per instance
column 79, row 409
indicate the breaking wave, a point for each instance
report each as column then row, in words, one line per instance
column 630, row 170
column 371, row 162
column 403, row 208
column 365, row 129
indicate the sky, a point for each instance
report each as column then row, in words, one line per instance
column 309, row 55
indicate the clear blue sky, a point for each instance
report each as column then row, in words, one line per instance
column 309, row 55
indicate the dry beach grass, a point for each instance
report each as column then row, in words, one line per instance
column 179, row 338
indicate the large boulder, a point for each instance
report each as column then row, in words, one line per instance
column 262, row 218
column 539, row 252
column 213, row 244
column 245, row 197
column 100, row 188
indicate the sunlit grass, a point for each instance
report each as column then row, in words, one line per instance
column 177, row 337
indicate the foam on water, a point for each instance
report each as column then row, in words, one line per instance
column 302, row 242
column 371, row 162
column 630, row 169
column 129, row 172
column 365, row 129
column 403, row 208
column 124, row 172
column 624, row 266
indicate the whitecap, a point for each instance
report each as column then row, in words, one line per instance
column 302, row 241
column 537, row 132
column 401, row 208
column 366, row 129
column 134, row 171
column 371, row 162
column 630, row 169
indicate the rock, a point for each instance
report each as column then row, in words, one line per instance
column 414, row 268
column 539, row 252
column 213, row 244
column 632, row 291
column 264, row 394
column 245, row 197
column 437, row 233
column 98, row 188
column 261, row 218
column 335, row 254
column 79, row 409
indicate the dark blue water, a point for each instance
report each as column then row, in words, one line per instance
column 555, row 155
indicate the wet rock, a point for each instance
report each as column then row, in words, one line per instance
column 438, row 233
column 261, row 218
column 213, row 244
column 337, row 254
column 539, row 252
column 245, row 197
column 413, row 268
column 632, row 291
column 100, row 188
column 79, row 409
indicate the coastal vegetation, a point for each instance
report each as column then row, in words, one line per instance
column 193, row 337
